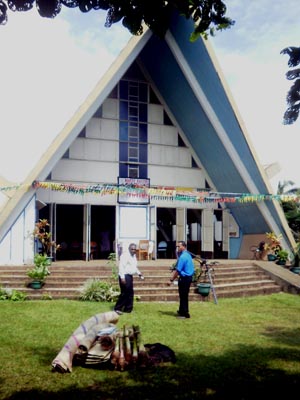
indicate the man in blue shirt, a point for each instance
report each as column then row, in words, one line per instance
column 185, row 271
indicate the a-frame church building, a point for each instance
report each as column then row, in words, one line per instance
column 157, row 152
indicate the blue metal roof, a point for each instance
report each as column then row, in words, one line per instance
column 180, row 97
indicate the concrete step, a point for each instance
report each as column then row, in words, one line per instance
column 67, row 279
column 158, row 281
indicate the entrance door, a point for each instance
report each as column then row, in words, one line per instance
column 103, row 231
column 84, row 232
column 166, row 232
column 194, row 230
column 69, row 231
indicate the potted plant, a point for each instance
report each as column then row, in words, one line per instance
column 40, row 271
column 282, row 257
column 43, row 235
column 295, row 268
column 200, row 279
column 204, row 288
column 272, row 246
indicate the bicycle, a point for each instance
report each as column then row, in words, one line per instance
column 257, row 251
column 207, row 273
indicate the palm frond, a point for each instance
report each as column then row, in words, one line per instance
column 291, row 114
column 294, row 55
column 293, row 74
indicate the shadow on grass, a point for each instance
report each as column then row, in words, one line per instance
column 289, row 337
column 243, row 373
column 168, row 313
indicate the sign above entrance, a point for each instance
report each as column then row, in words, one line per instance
column 133, row 191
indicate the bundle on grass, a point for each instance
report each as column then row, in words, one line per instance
column 99, row 343
column 82, row 337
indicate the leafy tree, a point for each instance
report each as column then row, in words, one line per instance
column 281, row 188
column 293, row 96
column 292, row 213
column 208, row 15
column 290, row 208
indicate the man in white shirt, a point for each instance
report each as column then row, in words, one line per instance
column 127, row 268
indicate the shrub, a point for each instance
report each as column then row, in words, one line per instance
column 96, row 290
column 40, row 270
column 43, row 235
column 273, row 245
column 13, row 295
column 112, row 262
column 4, row 295
column 16, row 295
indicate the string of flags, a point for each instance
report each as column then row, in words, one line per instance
column 167, row 193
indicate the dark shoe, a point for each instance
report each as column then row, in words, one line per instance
column 128, row 312
column 118, row 312
column 183, row 316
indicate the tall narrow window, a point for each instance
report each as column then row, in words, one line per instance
column 133, row 129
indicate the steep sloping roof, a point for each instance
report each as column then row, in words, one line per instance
column 207, row 117
column 6, row 195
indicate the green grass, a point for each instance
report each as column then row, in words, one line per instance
column 244, row 348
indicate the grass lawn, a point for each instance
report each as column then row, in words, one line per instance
column 245, row 348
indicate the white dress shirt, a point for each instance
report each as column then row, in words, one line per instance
column 128, row 265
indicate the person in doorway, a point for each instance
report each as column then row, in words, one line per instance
column 184, row 271
column 127, row 268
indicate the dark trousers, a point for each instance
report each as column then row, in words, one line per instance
column 184, row 284
column 125, row 300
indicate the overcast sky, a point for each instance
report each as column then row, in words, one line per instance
column 48, row 67
column 249, row 54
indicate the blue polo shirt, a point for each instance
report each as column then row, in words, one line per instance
column 185, row 265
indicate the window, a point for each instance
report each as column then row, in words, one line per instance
column 67, row 154
column 98, row 113
column 167, row 120
column 133, row 152
column 153, row 97
column 82, row 133
column 114, row 93
column 133, row 171
column 133, row 129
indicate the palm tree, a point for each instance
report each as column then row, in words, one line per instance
column 293, row 96
column 291, row 208
column 283, row 185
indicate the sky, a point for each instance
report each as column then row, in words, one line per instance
column 48, row 68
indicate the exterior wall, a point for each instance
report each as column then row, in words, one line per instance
column 94, row 149
column 163, row 155
column 48, row 196
column 175, row 177
column 162, row 134
column 95, row 157
column 81, row 171
column 17, row 247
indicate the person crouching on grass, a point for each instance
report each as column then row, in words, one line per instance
column 185, row 271
column 127, row 268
